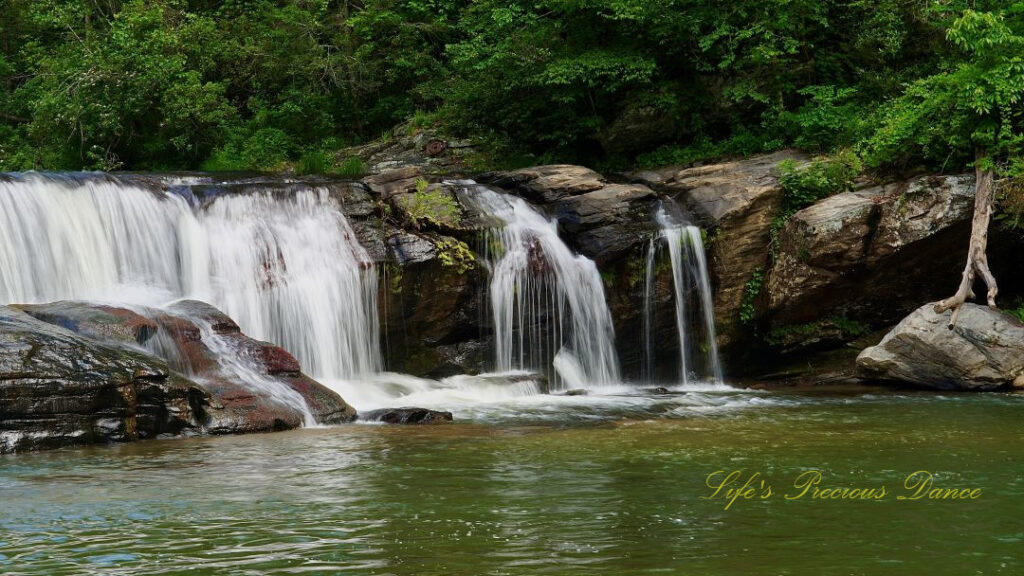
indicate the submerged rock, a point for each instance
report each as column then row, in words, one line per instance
column 406, row 416
column 983, row 351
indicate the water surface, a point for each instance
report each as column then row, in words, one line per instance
column 591, row 485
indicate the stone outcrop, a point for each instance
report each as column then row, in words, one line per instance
column 983, row 351
column 840, row 255
column 411, row 146
column 77, row 373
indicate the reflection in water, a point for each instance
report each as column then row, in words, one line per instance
column 603, row 490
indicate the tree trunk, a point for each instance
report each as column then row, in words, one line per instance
column 977, row 258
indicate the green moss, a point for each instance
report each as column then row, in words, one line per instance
column 393, row 273
column 455, row 254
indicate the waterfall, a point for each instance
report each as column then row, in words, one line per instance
column 548, row 304
column 286, row 267
column 689, row 278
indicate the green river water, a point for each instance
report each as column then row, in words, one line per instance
column 591, row 485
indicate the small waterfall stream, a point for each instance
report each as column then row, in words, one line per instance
column 689, row 275
column 548, row 304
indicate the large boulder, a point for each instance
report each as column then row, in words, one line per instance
column 432, row 307
column 59, row 388
column 983, row 351
column 79, row 372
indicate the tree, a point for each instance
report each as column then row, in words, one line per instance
column 973, row 106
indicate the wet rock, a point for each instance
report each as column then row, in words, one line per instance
column 600, row 220
column 660, row 390
column 984, row 351
column 575, row 392
column 431, row 306
column 59, row 388
column 423, row 148
column 99, row 384
column 240, row 408
column 94, row 321
column 406, row 416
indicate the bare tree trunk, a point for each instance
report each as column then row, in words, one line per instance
column 977, row 258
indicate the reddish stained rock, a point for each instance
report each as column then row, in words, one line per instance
column 73, row 373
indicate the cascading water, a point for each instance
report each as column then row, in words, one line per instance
column 548, row 304
column 287, row 267
column 689, row 274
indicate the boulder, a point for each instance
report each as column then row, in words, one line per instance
column 59, row 388
column 406, row 416
column 431, row 305
column 983, row 351
column 113, row 374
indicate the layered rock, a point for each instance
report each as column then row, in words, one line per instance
column 77, row 373
column 59, row 388
column 983, row 351
column 840, row 255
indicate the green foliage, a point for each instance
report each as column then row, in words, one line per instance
column 261, row 84
column 751, row 290
column 1010, row 204
column 351, row 167
column 805, row 184
column 432, row 205
column 971, row 107
column 1017, row 310
column 786, row 335
column 313, row 162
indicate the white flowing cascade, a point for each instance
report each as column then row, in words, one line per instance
column 287, row 268
column 689, row 272
column 548, row 304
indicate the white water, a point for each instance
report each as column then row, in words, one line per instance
column 287, row 269
column 548, row 304
column 689, row 273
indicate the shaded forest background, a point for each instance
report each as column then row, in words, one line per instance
column 258, row 84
